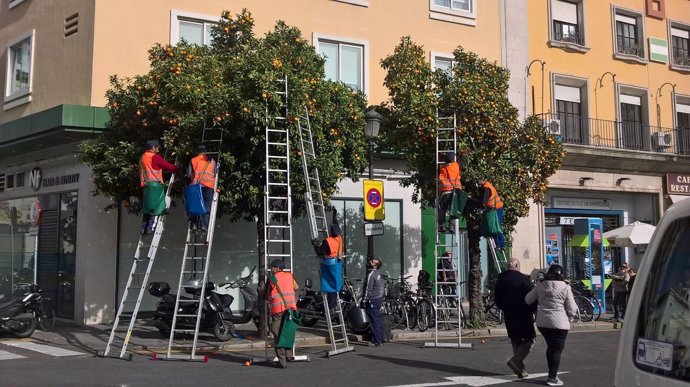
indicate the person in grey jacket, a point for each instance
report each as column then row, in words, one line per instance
column 620, row 291
column 373, row 294
column 556, row 308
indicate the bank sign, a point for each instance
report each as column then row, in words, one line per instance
column 677, row 184
column 37, row 180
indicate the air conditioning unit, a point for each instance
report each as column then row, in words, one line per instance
column 663, row 139
column 552, row 126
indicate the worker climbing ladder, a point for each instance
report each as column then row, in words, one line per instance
column 195, row 263
column 277, row 196
column 319, row 227
column 447, row 304
column 136, row 283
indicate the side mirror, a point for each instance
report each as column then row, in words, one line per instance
column 307, row 283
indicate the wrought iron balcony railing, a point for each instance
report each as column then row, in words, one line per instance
column 569, row 38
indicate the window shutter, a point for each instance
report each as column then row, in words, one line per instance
column 564, row 11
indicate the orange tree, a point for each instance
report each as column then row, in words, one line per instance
column 518, row 157
column 229, row 85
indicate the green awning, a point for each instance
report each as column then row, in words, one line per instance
column 583, row 241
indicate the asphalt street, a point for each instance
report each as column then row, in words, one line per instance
column 588, row 360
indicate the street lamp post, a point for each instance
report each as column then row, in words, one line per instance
column 371, row 131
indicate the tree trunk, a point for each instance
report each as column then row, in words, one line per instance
column 261, row 290
column 474, row 280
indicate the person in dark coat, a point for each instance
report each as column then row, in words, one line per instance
column 511, row 288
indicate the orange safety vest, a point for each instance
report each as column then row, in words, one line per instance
column 204, row 171
column 286, row 283
column 336, row 246
column 449, row 177
column 494, row 200
column 146, row 171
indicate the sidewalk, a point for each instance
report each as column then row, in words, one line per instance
column 146, row 339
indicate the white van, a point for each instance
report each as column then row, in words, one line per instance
column 654, row 347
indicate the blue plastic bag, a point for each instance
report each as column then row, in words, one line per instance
column 194, row 203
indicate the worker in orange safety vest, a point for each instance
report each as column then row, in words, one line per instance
column 491, row 199
column 449, row 178
column 331, row 252
column 202, row 170
column 278, row 304
column 151, row 168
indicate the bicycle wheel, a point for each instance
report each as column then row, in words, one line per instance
column 425, row 314
column 597, row 307
column 396, row 311
column 411, row 312
column 46, row 321
column 492, row 313
column 585, row 308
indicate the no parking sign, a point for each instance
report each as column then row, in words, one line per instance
column 373, row 200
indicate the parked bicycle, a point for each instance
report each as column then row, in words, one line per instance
column 588, row 304
column 427, row 311
column 491, row 310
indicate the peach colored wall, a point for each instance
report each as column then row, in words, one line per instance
column 591, row 65
column 61, row 65
column 121, row 47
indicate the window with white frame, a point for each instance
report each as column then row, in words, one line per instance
column 442, row 63
column 680, row 39
column 192, row 27
column 629, row 33
column 454, row 11
column 344, row 60
column 14, row 180
column 570, row 97
column 19, row 70
column 634, row 109
column 455, row 5
column 566, row 24
column 683, row 124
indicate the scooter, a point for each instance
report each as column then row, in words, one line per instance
column 18, row 315
column 215, row 316
column 251, row 300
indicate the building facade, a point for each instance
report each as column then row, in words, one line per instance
column 58, row 56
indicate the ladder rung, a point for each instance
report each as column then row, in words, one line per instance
column 277, row 212
column 277, row 198
column 185, row 315
column 277, row 240
column 185, row 300
column 277, row 170
column 194, row 257
column 276, row 226
column 277, row 130
column 277, row 255
column 278, row 184
column 185, row 330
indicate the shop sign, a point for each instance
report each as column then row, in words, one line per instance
column 37, row 180
column 584, row 203
column 677, row 184
column 567, row 221
column 373, row 228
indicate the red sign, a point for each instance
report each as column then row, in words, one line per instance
column 374, row 197
column 597, row 236
column 553, row 236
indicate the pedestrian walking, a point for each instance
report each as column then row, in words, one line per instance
column 556, row 308
column 511, row 288
column 373, row 294
column 491, row 199
column 281, row 296
column 331, row 253
column 620, row 291
column 202, row 170
column 449, row 178
column 151, row 168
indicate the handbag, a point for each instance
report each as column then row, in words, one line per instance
column 457, row 204
column 154, row 199
column 194, row 203
column 292, row 319
column 490, row 226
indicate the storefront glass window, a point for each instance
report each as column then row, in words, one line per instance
column 18, row 242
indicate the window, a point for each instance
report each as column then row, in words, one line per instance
column 566, row 25
column 683, row 125
column 454, row 11
column 633, row 130
column 442, row 62
column 20, row 69
column 570, row 96
column 664, row 316
column 9, row 181
column 193, row 28
column 629, row 34
column 14, row 180
column 345, row 60
column 680, row 37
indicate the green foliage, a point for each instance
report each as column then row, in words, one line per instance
column 230, row 84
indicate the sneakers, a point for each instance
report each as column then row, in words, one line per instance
column 519, row 371
column 554, row 381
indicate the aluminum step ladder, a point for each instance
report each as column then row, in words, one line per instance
column 318, row 226
column 499, row 256
column 136, row 282
column 195, row 264
column 447, row 306
column 277, row 198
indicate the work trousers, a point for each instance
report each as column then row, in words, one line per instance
column 619, row 303
column 373, row 307
column 555, row 342
column 521, row 348
column 444, row 201
column 282, row 353
column 332, row 298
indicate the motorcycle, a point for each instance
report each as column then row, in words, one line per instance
column 251, row 300
column 215, row 316
column 18, row 315
column 310, row 304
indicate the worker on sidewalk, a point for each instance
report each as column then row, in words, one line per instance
column 491, row 200
column 281, row 296
column 151, row 168
column 331, row 253
column 449, row 178
column 202, row 170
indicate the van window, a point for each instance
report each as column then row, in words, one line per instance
column 663, row 329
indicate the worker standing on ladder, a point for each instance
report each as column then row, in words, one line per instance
column 151, row 167
column 449, row 178
column 491, row 199
column 281, row 297
column 331, row 253
column 202, row 170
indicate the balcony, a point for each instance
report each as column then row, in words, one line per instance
column 633, row 136
column 634, row 50
column 569, row 38
column 682, row 61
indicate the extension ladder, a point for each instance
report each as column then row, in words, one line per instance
column 447, row 306
column 196, row 261
column 499, row 256
column 137, row 280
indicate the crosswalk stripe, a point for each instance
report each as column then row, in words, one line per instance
column 45, row 349
column 4, row 355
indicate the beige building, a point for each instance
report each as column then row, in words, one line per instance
column 57, row 56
